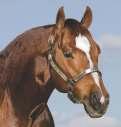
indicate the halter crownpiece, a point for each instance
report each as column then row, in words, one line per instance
column 70, row 81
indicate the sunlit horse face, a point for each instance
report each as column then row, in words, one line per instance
column 76, row 51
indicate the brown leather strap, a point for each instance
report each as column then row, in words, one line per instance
column 35, row 113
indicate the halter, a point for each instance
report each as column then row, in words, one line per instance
column 70, row 81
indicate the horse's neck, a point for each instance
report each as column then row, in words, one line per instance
column 16, row 110
column 26, row 99
column 24, row 95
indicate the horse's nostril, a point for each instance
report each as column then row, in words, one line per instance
column 95, row 101
column 106, row 100
column 95, row 97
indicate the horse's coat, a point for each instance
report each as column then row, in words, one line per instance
column 24, row 71
column 9, row 113
column 27, row 78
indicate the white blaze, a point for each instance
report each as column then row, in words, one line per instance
column 83, row 43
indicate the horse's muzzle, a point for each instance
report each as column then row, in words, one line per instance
column 96, row 103
column 94, row 107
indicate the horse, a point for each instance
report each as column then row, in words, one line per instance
column 62, row 56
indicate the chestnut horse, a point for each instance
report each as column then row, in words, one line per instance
column 62, row 56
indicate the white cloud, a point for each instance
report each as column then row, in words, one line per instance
column 85, row 121
column 88, row 122
column 110, row 41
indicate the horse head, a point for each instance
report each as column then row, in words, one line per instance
column 73, row 55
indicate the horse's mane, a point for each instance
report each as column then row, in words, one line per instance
column 3, row 56
column 8, row 66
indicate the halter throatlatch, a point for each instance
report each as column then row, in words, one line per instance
column 69, row 81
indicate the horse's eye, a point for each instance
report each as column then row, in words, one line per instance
column 68, row 54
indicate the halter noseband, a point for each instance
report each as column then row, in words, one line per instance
column 69, row 81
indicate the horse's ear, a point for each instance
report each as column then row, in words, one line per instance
column 60, row 18
column 87, row 18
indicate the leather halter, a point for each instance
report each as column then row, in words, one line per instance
column 35, row 113
column 69, row 81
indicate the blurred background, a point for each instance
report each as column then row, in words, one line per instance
column 16, row 16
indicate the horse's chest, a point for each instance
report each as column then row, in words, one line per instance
column 7, row 114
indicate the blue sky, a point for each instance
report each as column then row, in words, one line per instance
column 17, row 16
